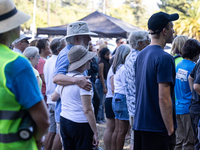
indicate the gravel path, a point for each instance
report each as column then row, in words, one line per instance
column 101, row 129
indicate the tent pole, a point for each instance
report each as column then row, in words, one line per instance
column 33, row 25
column 104, row 6
column 48, row 13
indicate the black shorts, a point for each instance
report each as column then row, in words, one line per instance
column 146, row 140
column 76, row 136
column 108, row 108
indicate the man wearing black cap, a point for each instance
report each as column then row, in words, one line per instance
column 155, row 119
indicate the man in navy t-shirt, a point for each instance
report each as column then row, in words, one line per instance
column 155, row 119
column 194, row 81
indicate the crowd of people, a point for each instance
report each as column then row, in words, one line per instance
column 69, row 86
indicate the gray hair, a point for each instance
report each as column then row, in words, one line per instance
column 56, row 44
column 137, row 36
column 30, row 51
column 120, row 56
column 70, row 40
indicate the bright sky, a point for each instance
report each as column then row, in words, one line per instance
column 151, row 5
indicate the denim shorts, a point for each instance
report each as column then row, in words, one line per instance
column 120, row 107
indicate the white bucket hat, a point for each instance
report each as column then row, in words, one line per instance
column 78, row 56
column 10, row 17
column 78, row 28
column 22, row 37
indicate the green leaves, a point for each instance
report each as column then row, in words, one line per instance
column 189, row 16
column 60, row 13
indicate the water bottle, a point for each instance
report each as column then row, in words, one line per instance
column 26, row 128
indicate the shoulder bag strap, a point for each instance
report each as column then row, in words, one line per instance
column 64, row 86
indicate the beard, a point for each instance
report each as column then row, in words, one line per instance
column 83, row 44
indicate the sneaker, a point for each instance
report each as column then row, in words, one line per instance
column 104, row 121
column 101, row 122
column 127, row 137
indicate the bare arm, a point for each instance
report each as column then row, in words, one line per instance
column 191, row 81
column 112, row 84
column 87, row 108
column 197, row 88
column 166, row 107
column 64, row 80
column 55, row 96
column 42, row 77
column 40, row 115
column 38, row 80
column 101, row 67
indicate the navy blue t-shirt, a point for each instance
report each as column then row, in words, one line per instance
column 153, row 66
column 195, row 102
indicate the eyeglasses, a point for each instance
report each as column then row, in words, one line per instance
column 37, row 56
column 26, row 41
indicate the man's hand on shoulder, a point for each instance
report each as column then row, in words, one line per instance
column 83, row 83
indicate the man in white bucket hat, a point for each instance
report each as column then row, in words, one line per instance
column 16, row 100
column 78, row 33
column 21, row 43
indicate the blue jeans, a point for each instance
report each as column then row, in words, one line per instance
column 99, row 88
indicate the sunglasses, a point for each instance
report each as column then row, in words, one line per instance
column 25, row 41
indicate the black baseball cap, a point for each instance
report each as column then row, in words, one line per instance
column 159, row 20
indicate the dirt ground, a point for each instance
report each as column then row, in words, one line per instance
column 101, row 129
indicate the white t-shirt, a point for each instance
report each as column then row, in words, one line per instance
column 48, row 70
column 71, row 104
column 110, row 74
column 17, row 50
column 119, row 80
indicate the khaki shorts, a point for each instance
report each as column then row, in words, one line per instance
column 52, row 127
column 131, row 119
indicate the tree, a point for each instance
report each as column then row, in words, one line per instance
column 76, row 2
column 175, row 5
column 124, row 13
column 67, row 11
column 59, row 14
column 189, row 16
column 138, row 11
column 189, row 23
column 132, row 12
